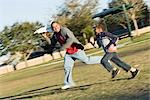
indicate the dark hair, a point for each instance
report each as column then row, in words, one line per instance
column 52, row 24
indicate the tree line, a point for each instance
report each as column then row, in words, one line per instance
column 77, row 16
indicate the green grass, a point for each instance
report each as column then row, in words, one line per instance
column 93, row 81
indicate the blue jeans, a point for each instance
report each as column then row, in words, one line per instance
column 69, row 63
column 115, row 59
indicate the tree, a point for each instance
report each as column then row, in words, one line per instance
column 19, row 37
column 134, row 13
column 76, row 15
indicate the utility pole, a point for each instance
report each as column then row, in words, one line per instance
column 127, row 19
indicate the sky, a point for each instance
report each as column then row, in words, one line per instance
column 12, row 11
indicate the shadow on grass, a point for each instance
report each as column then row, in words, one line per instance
column 134, row 96
column 119, row 79
column 47, row 91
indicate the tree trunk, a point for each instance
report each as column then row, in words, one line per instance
column 26, row 64
column 136, row 26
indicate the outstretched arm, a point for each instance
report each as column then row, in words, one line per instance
column 51, row 42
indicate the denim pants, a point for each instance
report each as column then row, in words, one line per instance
column 115, row 59
column 69, row 63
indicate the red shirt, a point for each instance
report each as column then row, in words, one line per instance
column 72, row 49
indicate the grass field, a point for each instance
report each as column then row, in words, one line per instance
column 93, row 81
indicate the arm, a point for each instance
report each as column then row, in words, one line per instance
column 70, row 38
column 113, row 38
column 51, row 42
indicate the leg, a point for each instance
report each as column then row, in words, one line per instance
column 105, row 61
column 80, row 55
column 120, row 63
column 126, row 67
column 68, row 66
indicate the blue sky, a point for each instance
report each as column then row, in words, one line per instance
column 12, row 11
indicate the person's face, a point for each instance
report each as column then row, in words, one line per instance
column 56, row 27
column 97, row 30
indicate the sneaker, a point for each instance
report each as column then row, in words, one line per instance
column 67, row 86
column 115, row 72
column 134, row 73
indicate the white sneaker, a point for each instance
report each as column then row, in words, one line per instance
column 67, row 86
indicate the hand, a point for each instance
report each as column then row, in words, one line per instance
column 112, row 48
column 44, row 35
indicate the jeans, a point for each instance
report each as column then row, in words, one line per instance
column 114, row 58
column 69, row 63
